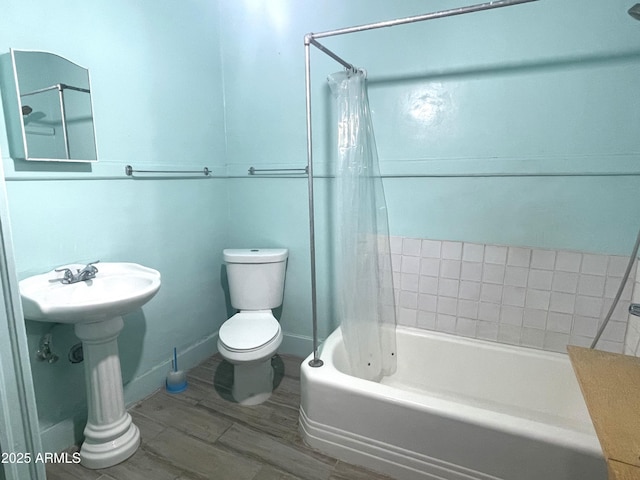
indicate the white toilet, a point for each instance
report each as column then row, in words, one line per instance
column 251, row 337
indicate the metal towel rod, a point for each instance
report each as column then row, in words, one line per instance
column 253, row 170
column 130, row 171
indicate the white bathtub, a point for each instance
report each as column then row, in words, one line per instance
column 456, row 409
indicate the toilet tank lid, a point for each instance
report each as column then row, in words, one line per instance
column 255, row 255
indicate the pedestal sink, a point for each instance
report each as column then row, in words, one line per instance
column 95, row 307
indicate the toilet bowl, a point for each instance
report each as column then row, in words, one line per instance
column 250, row 338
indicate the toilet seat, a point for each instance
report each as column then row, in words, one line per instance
column 249, row 331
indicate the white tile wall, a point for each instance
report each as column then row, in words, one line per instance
column 532, row 297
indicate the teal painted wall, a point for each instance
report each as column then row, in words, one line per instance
column 158, row 102
column 517, row 126
column 520, row 89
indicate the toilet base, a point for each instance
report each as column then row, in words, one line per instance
column 252, row 382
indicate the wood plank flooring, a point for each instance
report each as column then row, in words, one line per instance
column 201, row 434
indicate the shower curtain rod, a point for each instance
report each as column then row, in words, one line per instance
column 310, row 39
column 328, row 52
column 420, row 18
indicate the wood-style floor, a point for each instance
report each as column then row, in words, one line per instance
column 201, row 434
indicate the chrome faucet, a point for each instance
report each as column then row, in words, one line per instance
column 81, row 275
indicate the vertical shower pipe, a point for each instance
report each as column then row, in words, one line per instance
column 315, row 362
column 309, row 40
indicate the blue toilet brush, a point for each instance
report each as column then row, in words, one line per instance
column 176, row 379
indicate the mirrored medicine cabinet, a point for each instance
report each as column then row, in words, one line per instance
column 53, row 117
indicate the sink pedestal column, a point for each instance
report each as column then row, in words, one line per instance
column 110, row 435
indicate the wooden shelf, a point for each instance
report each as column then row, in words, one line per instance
column 610, row 384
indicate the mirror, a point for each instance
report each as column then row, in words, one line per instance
column 54, row 109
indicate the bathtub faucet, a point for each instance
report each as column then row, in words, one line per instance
column 86, row 273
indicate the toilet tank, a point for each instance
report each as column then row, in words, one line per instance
column 256, row 277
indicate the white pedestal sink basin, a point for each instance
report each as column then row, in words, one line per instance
column 95, row 307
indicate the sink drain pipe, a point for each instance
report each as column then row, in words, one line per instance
column 45, row 351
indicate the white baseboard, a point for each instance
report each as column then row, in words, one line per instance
column 67, row 432
column 297, row 345
column 64, row 434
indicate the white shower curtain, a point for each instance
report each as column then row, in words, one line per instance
column 364, row 286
